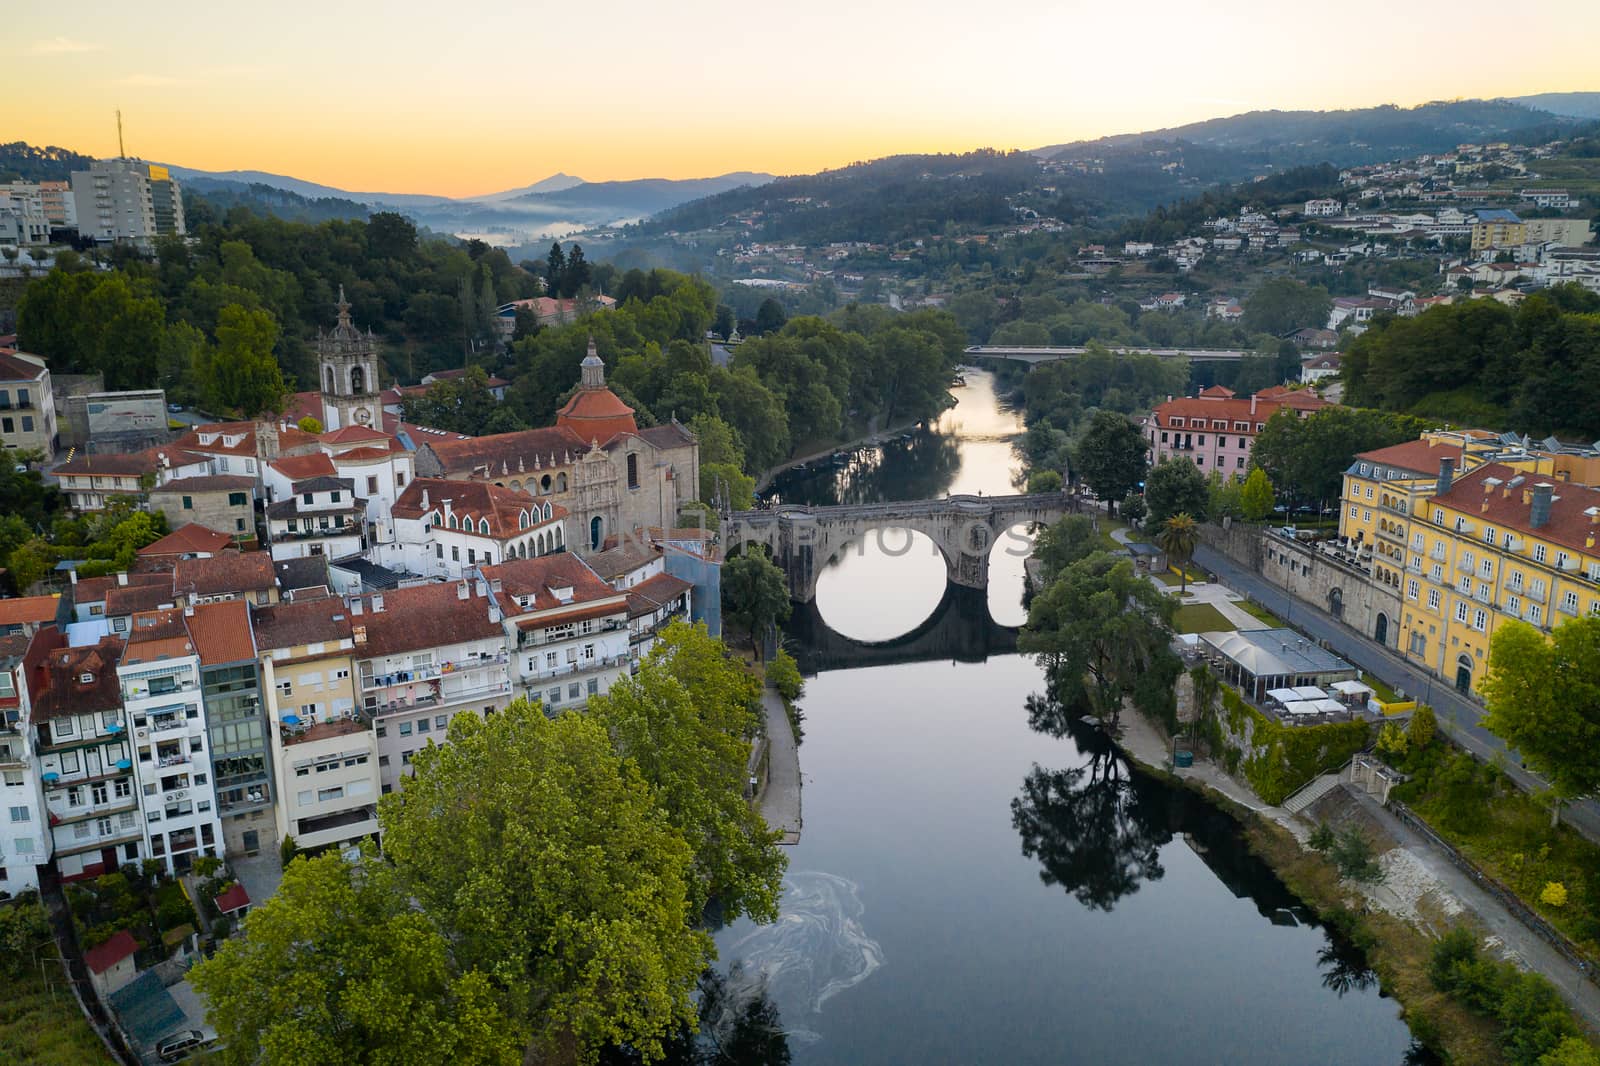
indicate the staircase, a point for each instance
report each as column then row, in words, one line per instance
column 1320, row 786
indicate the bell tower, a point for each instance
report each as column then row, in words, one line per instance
column 347, row 361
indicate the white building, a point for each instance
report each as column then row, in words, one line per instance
column 655, row 597
column 1138, row 248
column 127, row 200
column 160, row 677
column 23, row 221
column 567, row 629
column 26, row 843
column 1323, row 208
column 423, row 655
column 321, row 516
column 444, row 528
column 81, row 744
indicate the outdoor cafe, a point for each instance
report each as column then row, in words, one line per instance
column 1282, row 669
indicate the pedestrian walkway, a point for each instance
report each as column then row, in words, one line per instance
column 780, row 802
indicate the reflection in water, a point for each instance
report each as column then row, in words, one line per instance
column 1097, row 829
column 959, row 629
column 1344, row 969
column 816, row 949
column 739, row 1026
column 921, row 467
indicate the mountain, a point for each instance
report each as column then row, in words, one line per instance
column 554, row 183
column 1568, row 105
column 21, row 161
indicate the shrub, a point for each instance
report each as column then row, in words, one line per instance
column 207, row 865
column 1422, row 728
column 1322, row 837
column 784, row 673
column 1554, row 894
column 173, row 911
column 1352, row 853
column 288, row 850
column 1392, row 740
column 1134, row 507
column 1535, row 1027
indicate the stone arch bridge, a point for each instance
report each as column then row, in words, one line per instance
column 964, row 529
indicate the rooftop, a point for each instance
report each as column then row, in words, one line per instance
column 1501, row 496
column 287, row 625
column 1276, row 653
column 227, row 572
column 28, row 610
column 533, row 583
column 192, row 539
column 65, row 681
column 221, row 633
column 423, row 616
column 508, row 511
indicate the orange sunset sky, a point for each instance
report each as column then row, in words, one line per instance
column 471, row 97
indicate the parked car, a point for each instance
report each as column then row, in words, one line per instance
column 175, row 408
column 180, row 1045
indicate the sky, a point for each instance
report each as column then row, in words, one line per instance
column 474, row 96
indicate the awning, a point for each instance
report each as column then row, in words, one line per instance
column 1329, row 705
column 291, row 719
column 1351, row 688
column 1301, row 707
column 1310, row 692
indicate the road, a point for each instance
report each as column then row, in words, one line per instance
column 1458, row 715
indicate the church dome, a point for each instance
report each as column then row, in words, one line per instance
column 595, row 413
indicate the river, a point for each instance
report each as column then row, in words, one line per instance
column 982, row 881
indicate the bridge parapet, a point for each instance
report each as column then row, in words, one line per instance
column 963, row 527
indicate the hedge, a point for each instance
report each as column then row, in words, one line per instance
column 1280, row 759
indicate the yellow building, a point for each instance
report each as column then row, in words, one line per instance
column 1512, row 537
column 1498, row 232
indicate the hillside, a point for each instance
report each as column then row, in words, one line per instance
column 1568, row 105
column 20, row 161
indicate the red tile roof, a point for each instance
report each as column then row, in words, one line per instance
column 104, row 956
column 596, row 414
column 1419, row 456
column 505, row 455
column 126, row 599
column 55, row 675
column 28, row 610
column 15, row 368
column 423, row 616
column 1570, row 524
column 1231, row 410
column 473, row 501
column 207, row 483
column 299, row 467
column 285, row 625
column 532, row 580
column 222, row 632
column 229, row 571
column 192, row 539
column 131, row 464
column 654, row 593
column 232, row 898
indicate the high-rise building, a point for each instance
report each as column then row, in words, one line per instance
column 127, row 200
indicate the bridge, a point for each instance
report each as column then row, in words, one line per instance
column 964, row 528
column 1035, row 356
column 960, row 629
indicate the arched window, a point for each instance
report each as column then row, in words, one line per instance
column 544, row 484
column 633, row 470
column 547, row 512
column 596, row 526
column 358, row 380
column 559, row 537
column 561, row 482
column 454, row 523
column 483, row 526
column 522, row 520
column 438, row 518
column 332, row 388
column 515, row 484
column 541, row 549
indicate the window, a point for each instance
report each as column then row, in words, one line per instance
column 334, row 496
column 574, row 691
column 594, row 686
column 1480, row 620
column 1240, row 463
column 1201, row 440
column 1488, row 535
column 440, row 721
column 8, row 425
column 1353, row 511
column 1569, row 603
column 372, row 485
column 1536, row 614
column 1486, row 568
column 405, row 729
column 1461, row 612
column 1433, row 599
column 188, row 503
column 1514, row 604
column 1561, row 560
column 633, row 470
column 305, row 498
column 1412, row 588
column 21, row 814
column 326, row 794
column 1539, row 551
column 237, row 499
column 383, row 760
column 238, row 525
column 1366, row 516
column 27, row 423
column 424, row 726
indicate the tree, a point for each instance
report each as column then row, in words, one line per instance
column 736, row 488
column 337, row 966
column 770, row 316
column 1044, row 481
column 723, row 324
column 1307, row 457
column 684, row 720
column 542, row 857
column 311, row 424
column 1178, row 537
column 1544, row 700
column 1284, row 305
column 1110, row 458
column 1134, row 507
column 1104, row 634
column 243, row 373
column 1175, row 486
column 1257, row 496
column 1059, row 546
column 755, row 595
column 555, row 270
column 391, row 235
column 575, row 278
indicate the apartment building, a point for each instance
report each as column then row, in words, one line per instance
column 655, row 597
column 162, row 700
column 23, row 221
column 324, row 755
column 1217, row 429
column 91, row 482
column 423, row 655
column 127, row 200
column 1514, row 537
column 26, row 843
column 236, row 724
column 446, row 528
column 81, row 750
column 27, row 407
column 567, row 629
column 321, row 516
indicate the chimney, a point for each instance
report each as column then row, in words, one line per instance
column 188, row 610
column 424, row 499
column 1252, row 405
column 1447, row 474
column 1539, row 516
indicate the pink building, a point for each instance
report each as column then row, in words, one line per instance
column 1216, row 429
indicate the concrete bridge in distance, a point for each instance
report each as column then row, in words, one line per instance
column 964, row 528
column 1035, row 356
column 960, row 629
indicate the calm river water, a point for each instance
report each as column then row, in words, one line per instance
column 972, row 889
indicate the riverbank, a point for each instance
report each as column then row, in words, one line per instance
column 1396, row 922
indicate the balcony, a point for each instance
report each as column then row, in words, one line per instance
column 1395, row 508
column 316, row 534
column 61, row 813
column 607, row 626
column 583, row 666
column 176, row 758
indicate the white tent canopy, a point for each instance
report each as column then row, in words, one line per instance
column 1309, row 692
column 1329, row 705
column 1300, row 707
column 1351, row 688
column 1283, row 695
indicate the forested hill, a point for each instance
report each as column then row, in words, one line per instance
column 881, row 201
column 209, row 200
column 1258, row 139
column 21, row 161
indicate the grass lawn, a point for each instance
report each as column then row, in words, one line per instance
column 1380, row 688
column 1199, row 618
column 1254, row 608
column 36, row 1027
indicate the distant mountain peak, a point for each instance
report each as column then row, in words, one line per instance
column 557, row 182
